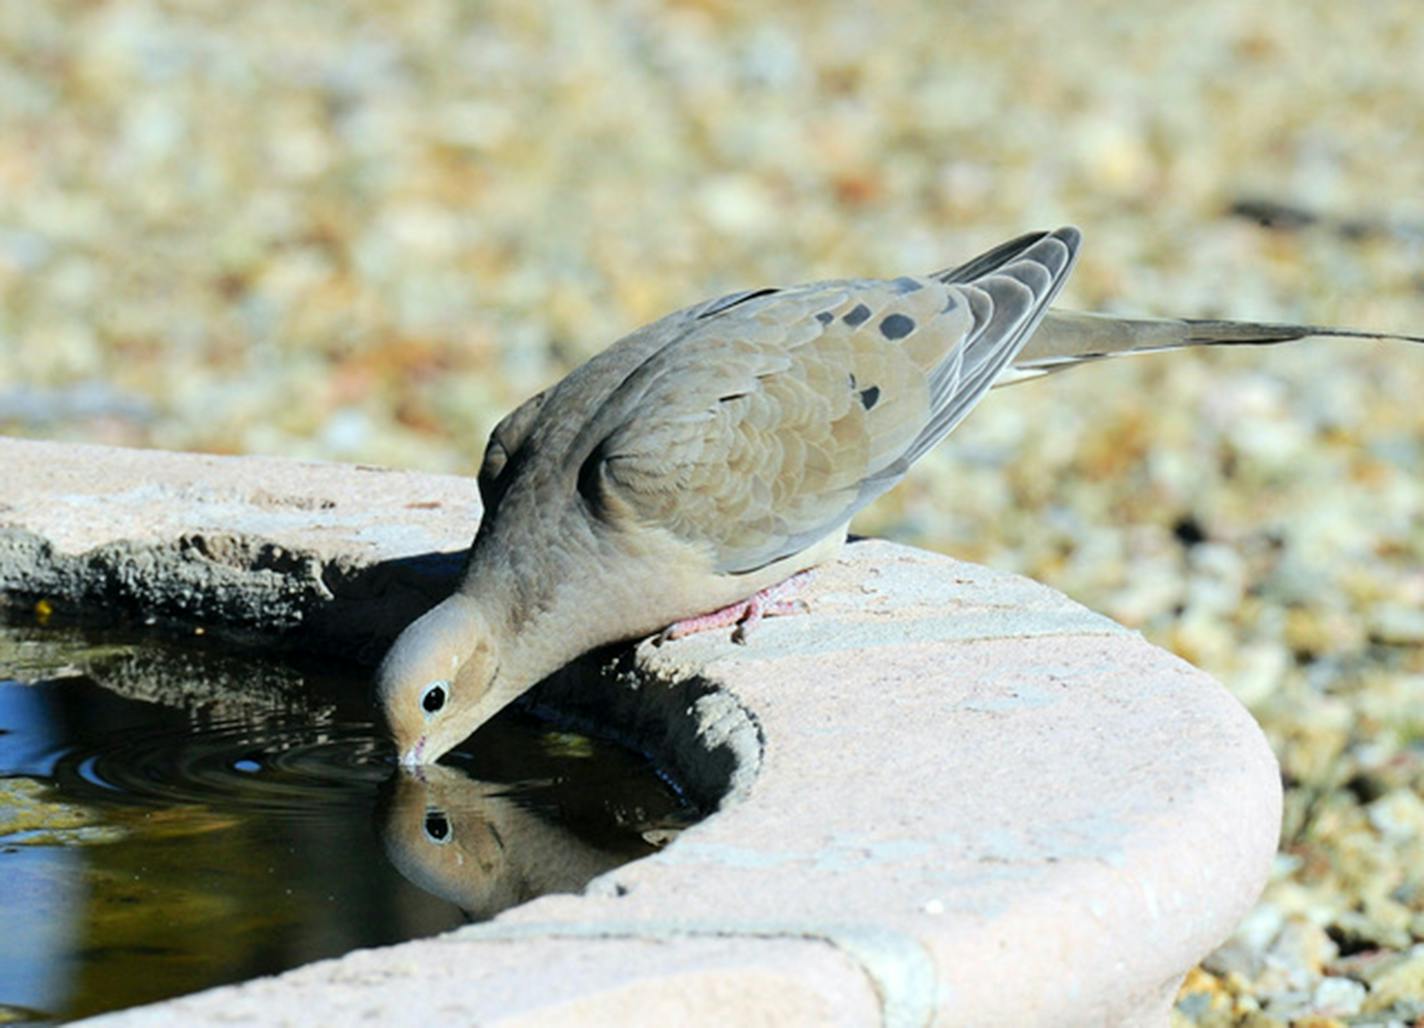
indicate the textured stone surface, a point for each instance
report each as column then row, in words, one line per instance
column 954, row 796
column 344, row 553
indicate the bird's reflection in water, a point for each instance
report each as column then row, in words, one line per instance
column 146, row 783
column 487, row 846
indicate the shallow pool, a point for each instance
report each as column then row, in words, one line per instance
column 174, row 817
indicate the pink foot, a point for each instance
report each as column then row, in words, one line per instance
column 774, row 601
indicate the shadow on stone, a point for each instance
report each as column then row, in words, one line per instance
column 697, row 732
column 255, row 594
column 251, row 591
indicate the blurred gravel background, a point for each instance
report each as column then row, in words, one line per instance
column 363, row 230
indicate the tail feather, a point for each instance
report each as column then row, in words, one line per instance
column 1066, row 339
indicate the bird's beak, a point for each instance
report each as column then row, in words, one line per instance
column 412, row 756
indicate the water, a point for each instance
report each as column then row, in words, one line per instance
column 173, row 818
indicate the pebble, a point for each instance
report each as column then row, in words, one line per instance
column 1400, row 984
column 1338, row 997
column 1397, row 624
column 1399, row 815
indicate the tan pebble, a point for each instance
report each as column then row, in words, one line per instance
column 1403, row 980
column 1396, row 624
column 1199, row 981
column 1304, row 946
column 1398, row 815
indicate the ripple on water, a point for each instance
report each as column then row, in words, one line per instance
column 282, row 767
column 149, row 809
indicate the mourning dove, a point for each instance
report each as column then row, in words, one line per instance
column 722, row 450
column 472, row 843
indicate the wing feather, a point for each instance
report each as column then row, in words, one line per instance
column 775, row 417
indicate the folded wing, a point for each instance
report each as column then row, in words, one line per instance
column 776, row 417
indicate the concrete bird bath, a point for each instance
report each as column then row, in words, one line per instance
column 947, row 795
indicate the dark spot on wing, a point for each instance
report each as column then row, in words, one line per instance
column 906, row 284
column 825, row 317
column 858, row 315
column 870, row 397
column 851, row 376
column 896, row 326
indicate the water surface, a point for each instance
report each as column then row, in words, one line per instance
column 174, row 817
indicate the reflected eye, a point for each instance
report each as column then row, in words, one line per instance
column 433, row 698
column 437, row 827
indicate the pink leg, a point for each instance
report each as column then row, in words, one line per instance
column 774, row 601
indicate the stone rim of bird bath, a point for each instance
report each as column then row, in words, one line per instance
column 949, row 794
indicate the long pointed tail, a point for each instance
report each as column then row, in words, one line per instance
column 1066, row 339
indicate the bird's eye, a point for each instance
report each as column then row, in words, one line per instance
column 433, row 698
column 437, row 827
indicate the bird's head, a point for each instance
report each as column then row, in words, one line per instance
column 436, row 685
